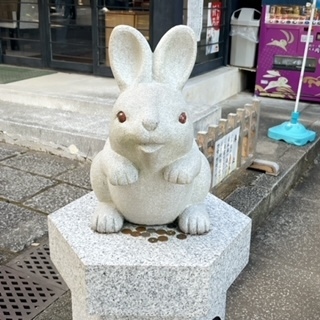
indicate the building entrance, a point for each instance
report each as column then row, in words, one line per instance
column 72, row 35
column 53, row 33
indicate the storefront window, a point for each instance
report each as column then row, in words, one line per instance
column 71, row 31
column 74, row 34
column 19, row 28
column 207, row 18
column 115, row 12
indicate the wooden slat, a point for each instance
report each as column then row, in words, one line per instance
column 247, row 118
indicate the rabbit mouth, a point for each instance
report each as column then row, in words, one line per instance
column 150, row 147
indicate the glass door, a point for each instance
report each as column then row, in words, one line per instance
column 70, row 35
column 47, row 34
column 20, row 32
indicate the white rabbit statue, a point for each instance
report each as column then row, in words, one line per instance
column 151, row 171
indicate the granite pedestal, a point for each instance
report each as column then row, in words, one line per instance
column 130, row 276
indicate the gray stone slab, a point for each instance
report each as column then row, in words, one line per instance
column 309, row 114
column 79, row 176
column 58, row 310
column 269, row 149
column 292, row 162
column 286, row 156
column 90, row 124
column 277, row 111
column 268, row 289
column 290, row 234
column 41, row 163
column 19, row 227
column 87, row 94
column 64, row 91
column 237, row 101
column 309, row 188
column 5, row 256
column 73, row 145
column 9, row 150
column 55, row 198
column 247, row 198
column 17, row 185
column 258, row 196
column 237, row 179
column 292, row 174
column 85, row 127
column 282, row 104
column 252, row 201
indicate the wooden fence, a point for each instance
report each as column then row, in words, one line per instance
column 231, row 144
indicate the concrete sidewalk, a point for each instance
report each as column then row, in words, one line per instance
column 282, row 280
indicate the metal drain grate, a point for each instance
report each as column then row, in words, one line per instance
column 37, row 261
column 22, row 296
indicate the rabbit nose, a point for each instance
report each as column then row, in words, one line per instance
column 150, row 125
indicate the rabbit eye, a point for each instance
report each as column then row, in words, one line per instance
column 121, row 116
column 183, row 117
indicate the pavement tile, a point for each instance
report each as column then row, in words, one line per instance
column 19, row 227
column 79, row 176
column 55, row 198
column 290, row 168
column 246, row 198
column 269, row 290
column 5, row 256
column 269, row 149
column 59, row 310
column 309, row 114
column 309, row 186
column 239, row 178
column 287, row 161
column 9, row 150
column 16, row 185
column 41, row 163
column 290, row 234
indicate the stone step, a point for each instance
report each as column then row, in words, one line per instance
column 87, row 94
column 71, row 134
column 68, row 114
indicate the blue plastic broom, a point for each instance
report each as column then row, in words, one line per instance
column 293, row 131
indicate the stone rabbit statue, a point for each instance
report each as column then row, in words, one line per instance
column 151, row 171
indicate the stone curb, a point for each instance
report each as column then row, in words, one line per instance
column 258, row 199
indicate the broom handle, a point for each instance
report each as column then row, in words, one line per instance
column 304, row 60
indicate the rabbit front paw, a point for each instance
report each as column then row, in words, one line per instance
column 176, row 174
column 106, row 219
column 123, row 175
column 195, row 220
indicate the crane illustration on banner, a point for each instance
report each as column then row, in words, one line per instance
column 282, row 43
column 280, row 82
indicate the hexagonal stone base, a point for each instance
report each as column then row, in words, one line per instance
column 148, row 274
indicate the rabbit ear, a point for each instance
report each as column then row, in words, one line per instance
column 174, row 56
column 130, row 56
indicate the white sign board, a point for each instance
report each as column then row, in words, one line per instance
column 225, row 156
column 194, row 16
